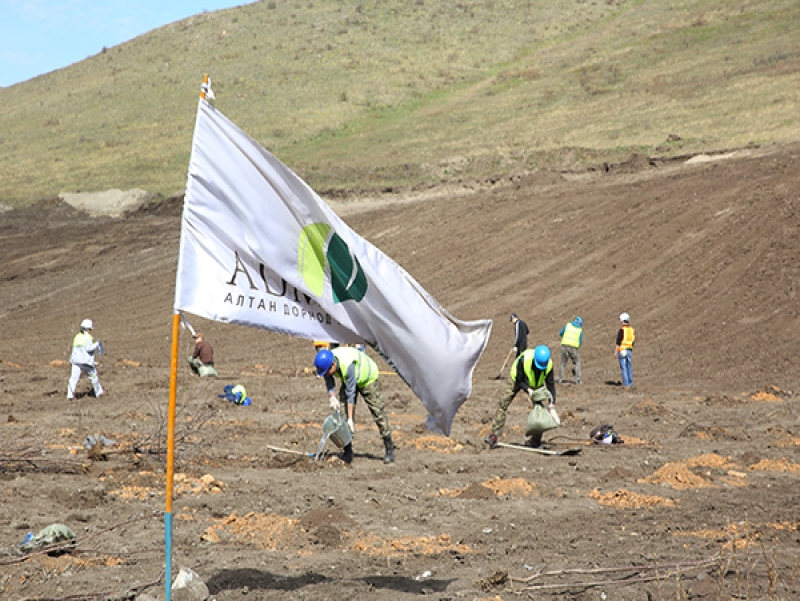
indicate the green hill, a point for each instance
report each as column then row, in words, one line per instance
column 375, row 94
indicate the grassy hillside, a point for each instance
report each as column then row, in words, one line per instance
column 391, row 93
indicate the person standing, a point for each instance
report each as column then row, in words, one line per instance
column 626, row 336
column 571, row 340
column 202, row 360
column 84, row 351
column 359, row 375
column 531, row 372
column 520, row 335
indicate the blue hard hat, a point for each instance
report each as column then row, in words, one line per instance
column 541, row 356
column 323, row 361
column 577, row 322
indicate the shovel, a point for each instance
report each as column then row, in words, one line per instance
column 500, row 375
column 521, row 447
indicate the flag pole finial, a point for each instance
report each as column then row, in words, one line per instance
column 205, row 88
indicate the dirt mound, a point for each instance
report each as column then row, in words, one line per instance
column 325, row 516
column 111, row 203
column 625, row 499
column 476, row 490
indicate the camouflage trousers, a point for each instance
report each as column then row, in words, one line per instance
column 502, row 409
column 371, row 393
column 540, row 395
column 567, row 353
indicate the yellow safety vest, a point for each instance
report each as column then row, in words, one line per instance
column 628, row 338
column 82, row 339
column 572, row 336
column 526, row 360
column 366, row 368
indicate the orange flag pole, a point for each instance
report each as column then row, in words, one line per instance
column 173, row 388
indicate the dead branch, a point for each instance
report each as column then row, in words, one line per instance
column 131, row 593
column 32, row 457
column 666, row 566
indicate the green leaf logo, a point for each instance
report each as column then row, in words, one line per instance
column 348, row 281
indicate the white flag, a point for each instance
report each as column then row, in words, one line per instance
column 260, row 248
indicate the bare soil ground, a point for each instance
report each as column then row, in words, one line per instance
column 701, row 500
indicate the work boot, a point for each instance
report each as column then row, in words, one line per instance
column 535, row 441
column 347, row 455
column 389, row 456
column 491, row 440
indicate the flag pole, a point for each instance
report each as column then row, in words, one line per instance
column 205, row 91
column 173, row 387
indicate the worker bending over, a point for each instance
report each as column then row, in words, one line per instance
column 531, row 372
column 359, row 375
column 202, row 360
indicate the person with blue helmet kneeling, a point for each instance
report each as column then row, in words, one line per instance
column 531, row 372
column 235, row 394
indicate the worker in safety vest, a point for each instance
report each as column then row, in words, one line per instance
column 571, row 340
column 84, row 352
column 531, row 372
column 626, row 336
column 359, row 375
column 235, row 394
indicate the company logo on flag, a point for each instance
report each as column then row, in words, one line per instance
column 348, row 281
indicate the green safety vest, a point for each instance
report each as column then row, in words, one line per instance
column 239, row 388
column 526, row 359
column 366, row 368
column 572, row 336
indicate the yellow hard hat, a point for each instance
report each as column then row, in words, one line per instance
column 321, row 344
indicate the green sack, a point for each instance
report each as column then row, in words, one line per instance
column 54, row 533
column 539, row 419
column 207, row 371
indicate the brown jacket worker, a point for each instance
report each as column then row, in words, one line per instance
column 531, row 372
column 359, row 375
column 202, row 360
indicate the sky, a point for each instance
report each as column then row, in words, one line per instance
column 39, row 36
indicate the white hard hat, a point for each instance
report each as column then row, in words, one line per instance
column 86, row 324
column 624, row 317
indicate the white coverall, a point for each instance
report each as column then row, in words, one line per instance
column 83, row 361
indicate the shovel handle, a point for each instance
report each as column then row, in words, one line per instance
column 508, row 356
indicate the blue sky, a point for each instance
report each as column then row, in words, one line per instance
column 39, row 36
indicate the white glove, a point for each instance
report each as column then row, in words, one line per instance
column 514, row 349
column 335, row 405
column 530, row 393
column 351, row 425
column 552, row 410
